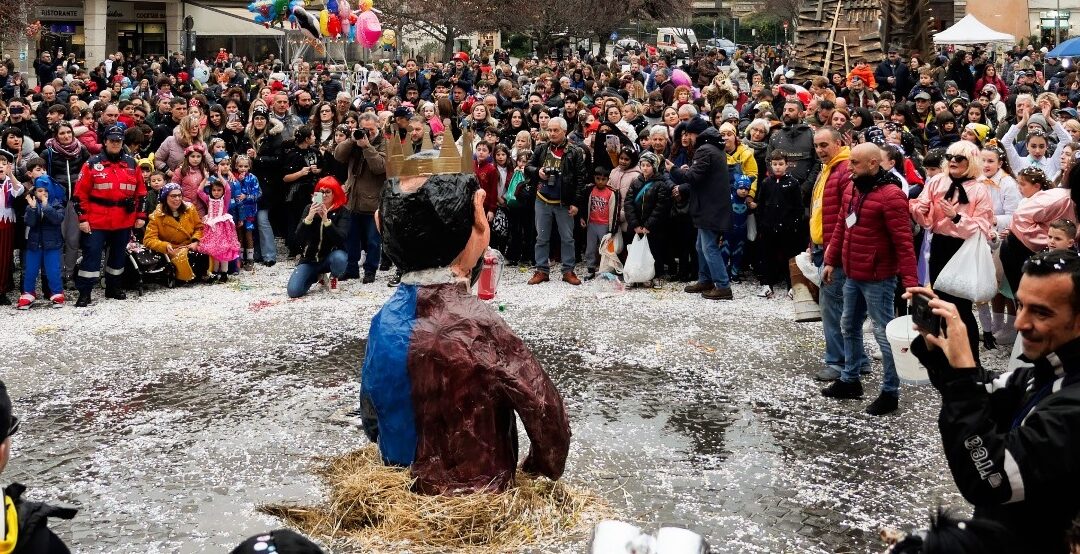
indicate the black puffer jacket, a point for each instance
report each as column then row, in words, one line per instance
column 35, row 537
column 796, row 142
column 654, row 206
column 317, row 240
column 706, row 184
column 1012, row 444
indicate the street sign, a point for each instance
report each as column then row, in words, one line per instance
column 22, row 56
column 614, row 36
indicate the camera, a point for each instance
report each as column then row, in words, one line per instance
column 922, row 315
column 552, row 172
column 360, row 133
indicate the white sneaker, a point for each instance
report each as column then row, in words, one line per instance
column 765, row 292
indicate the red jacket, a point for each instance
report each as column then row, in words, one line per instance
column 488, row 177
column 879, row 245
column 109, row 195
column 998, row 83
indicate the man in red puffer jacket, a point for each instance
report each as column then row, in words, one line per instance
column 872, row 242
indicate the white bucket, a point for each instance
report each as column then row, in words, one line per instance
column 900, row 334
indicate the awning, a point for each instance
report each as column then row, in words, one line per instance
column 971, row 31
column 227, row 21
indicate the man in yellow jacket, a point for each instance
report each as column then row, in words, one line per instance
column 825, row 201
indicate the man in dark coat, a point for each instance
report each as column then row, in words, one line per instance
column 892, row 75
column 706, row 185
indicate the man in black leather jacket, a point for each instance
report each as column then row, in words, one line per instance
column 1012, row 442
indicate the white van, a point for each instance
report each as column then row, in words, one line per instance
column 675, row 39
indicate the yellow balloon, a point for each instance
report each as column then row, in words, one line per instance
column 324, row 20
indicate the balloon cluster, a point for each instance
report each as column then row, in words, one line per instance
column 338, row 20
column 34, row 29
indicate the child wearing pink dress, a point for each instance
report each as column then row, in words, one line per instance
column 219, row 231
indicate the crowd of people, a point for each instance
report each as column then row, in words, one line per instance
column 730, row 166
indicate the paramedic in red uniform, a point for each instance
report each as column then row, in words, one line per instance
column 108, row 198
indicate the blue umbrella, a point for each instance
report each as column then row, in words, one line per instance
column 1066, row 49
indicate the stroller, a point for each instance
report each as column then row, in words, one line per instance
column 145, row 265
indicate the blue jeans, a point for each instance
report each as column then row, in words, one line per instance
column 831, row 303
column 307, row 274
column 363, row 237
column 37, row 260
column 544, row 213
column 875, row 298
column 90, row 268
column 710, row 263
column 267, row 246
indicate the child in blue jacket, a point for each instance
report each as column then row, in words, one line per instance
column 44, row 244
column 735, row 237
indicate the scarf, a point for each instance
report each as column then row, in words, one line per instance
column 817, row 231
column 69, row 151
column 957, row 188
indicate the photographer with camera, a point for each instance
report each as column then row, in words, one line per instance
column 321, row 236
column 1011, row 442
column 557, row 167
column 108, row 200
column 365, row 155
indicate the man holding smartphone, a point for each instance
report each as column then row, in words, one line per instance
column 1011, row 442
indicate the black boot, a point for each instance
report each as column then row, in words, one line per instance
column 843, row 389
column 885, row 404
column 84, row 299
column 4, row 300
column 116, row 294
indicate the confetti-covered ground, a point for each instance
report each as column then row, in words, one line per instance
column 169, row 417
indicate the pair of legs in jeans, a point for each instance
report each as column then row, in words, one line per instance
column 873, row 298
column 544, row 214
column 363, row 237
column 306, row 274
column 831, row 303
column 711, row 268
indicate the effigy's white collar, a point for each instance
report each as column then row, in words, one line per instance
column 433, row 276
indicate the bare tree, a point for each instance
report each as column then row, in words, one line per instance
column 443, row 21
column 14, row 17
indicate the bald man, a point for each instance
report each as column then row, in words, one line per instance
column 872, row 242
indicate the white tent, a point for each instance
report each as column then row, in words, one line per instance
column 971, row 31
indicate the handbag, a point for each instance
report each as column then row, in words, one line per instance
column 970, row 272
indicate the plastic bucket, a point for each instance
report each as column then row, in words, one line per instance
column 900, row 334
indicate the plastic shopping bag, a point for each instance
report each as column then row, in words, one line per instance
column 610, row 247
column 639, row 261
column 808, row 269
column 751, row 228
column 970, row 273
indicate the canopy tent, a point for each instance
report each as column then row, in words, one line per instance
column 971, row 31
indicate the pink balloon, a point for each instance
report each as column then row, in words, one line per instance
column 679, row 77
column 368, row 29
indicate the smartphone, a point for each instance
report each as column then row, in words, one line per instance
column 317, row 198
column 611, row 143
column 233, row 117
column 923, row 315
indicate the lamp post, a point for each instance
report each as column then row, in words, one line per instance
column 1057, row 24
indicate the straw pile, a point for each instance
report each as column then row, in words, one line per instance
column 371, row 505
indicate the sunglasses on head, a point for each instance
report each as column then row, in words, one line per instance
column 955, row 158
column 14, row 428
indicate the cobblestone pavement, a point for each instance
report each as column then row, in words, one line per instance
column 168, row 418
